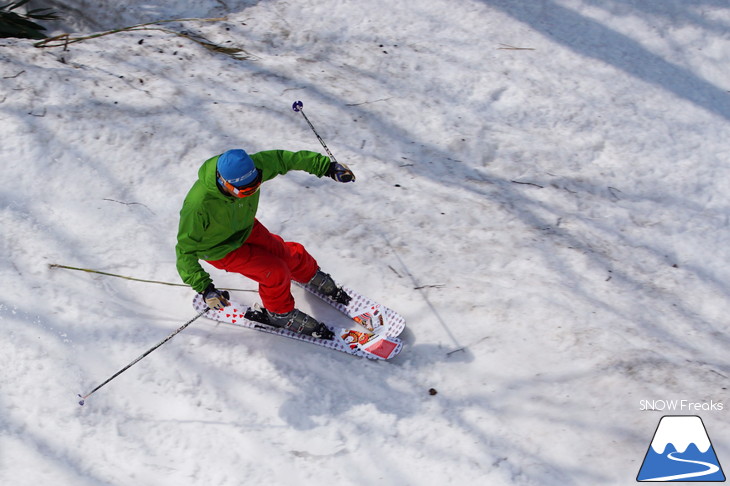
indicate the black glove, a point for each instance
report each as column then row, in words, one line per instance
column 340, row 172
column 214, row 298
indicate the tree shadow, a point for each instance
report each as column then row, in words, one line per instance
column 593, row 40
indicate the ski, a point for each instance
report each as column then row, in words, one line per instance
column 350, row 341
column 373, row 316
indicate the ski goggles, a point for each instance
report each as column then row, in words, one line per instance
column 243, row 191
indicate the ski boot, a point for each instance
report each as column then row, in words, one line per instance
column 324, row 284
column 301, row 323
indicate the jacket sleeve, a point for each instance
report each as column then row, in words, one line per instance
column 276, row 162
column 186, row 251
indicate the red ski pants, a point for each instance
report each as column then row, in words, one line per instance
column 273, row 263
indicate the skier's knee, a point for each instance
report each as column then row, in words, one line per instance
column 277, row 273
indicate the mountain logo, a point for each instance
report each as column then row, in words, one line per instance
column 681, row 451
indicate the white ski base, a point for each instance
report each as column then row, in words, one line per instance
column 350, row 341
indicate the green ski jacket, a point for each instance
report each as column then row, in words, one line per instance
column 212, row 224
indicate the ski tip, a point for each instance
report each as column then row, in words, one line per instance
column 297, row 106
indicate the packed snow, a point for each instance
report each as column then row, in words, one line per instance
column 543, row 193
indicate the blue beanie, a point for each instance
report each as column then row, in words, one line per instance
column 236, row 167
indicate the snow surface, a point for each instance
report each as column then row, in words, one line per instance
column 552, row 221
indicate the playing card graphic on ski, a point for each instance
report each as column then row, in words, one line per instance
column 371, row 315
column 373, row 333
column 354, row 340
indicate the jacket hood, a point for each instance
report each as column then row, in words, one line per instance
column 207, row 176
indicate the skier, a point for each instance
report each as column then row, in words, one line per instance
column 218, row 225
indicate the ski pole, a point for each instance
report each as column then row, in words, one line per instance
column 298, row 106
column 99, row 272
column 84, row 397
